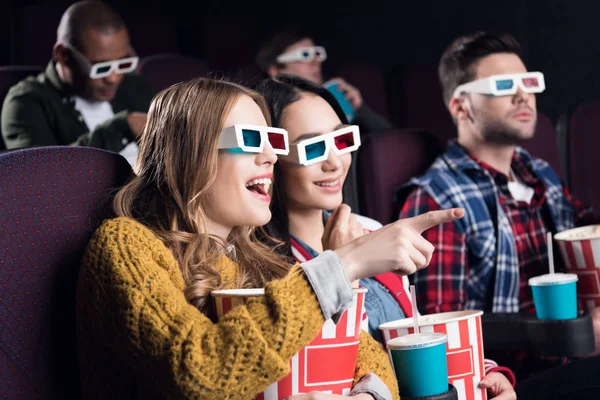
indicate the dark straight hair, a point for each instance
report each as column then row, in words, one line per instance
column 279, row 94
column 276, row 45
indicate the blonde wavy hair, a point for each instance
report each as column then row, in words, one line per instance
column 176, row 167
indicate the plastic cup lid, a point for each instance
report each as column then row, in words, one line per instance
column 552, row 279
column 417, row 341
column 431, row 319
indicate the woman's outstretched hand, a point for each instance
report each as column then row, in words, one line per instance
column 397, row 247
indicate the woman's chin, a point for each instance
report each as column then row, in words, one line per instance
column 258, row 218
column 331, row 204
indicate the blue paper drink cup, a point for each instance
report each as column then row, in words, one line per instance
column 420, row 363
column 555, row 296
column 341, row 99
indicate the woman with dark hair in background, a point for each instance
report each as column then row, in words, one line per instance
column 308, row 183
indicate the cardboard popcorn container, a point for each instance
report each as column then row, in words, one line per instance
column 326, row 364
column 580, row 250
column 464, row 349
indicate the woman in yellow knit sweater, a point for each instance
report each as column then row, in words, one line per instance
column 183, row 228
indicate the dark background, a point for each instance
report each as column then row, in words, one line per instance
column 559, row 38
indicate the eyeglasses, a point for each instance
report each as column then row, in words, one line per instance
column 316, row 149
column 252, row 138
column 106, row 68
column 303, row 54
column 504, row 85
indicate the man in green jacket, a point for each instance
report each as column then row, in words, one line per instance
column 87, row 96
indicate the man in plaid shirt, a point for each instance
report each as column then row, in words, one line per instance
column 511, row 199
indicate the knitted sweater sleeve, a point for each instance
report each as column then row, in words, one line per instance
column 373, row 359
column 128, row 302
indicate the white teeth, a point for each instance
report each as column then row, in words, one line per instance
column 328, row 184
column 261, row 181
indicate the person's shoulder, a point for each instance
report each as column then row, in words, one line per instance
column 30, row 86
column 127, row 225
column 122, row 233
column 123, row 252
column 418, row 186
column 439, row 172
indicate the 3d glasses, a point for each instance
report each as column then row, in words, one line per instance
column 303, row 54
column 316, row 149
column 503, row 85
column 252, row 138
column 105, row 68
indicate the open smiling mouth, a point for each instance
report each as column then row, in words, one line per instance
column 328, row 183
column 259, row 186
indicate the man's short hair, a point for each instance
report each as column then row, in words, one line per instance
column 458, row 61
column 275, row 46
column 84, row 15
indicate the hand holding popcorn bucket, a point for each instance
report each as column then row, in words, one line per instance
column 464, row 348
column 326, row 364
column 580, row 250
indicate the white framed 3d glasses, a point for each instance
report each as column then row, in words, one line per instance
column 252, row 139
column 105, row 68
column 303, row 54
column 504, row 85
column 316, row 149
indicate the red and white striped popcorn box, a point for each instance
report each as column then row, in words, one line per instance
column 580, row 250
column 326, row 364
column 464, row 349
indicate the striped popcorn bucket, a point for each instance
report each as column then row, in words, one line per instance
column 326, row 364
column 580, row 250
column 464, row 349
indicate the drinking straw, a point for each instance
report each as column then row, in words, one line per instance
column 415, row 310
column 550, row 256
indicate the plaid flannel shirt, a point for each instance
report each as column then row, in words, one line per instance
column 484, row 260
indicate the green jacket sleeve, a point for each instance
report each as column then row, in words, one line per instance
column 25, row 123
